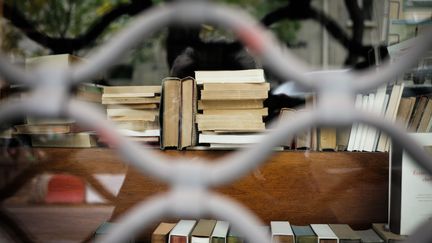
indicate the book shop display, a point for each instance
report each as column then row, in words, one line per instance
column 64, row 181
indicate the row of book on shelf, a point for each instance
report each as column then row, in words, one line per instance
column 213, row 231
column 220, row 110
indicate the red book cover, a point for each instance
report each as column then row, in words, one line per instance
column 63, row 188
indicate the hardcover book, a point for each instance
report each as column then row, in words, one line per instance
column 177, row 113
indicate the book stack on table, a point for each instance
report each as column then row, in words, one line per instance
column 135, row 111
column 231, row 107
column 61, row 132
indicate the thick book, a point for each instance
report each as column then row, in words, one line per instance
column 170, row 112
column 232, row 76
column 233, row 94
column 281, row 232
column 386, row 234
column 236, row 87
column 304, row 234
column 230, row 104
column 220, row 232
column 181, row 233
column 324, row 233
column 177, row 113
column 405, row 111
column 130, row 100
column 410, row 188
column 327, row 139
column 345, row 234
column 379, row 106
column 390, row 115
column 417, row 113
column 369, row 236
column 425, row 118
column 287, row 113
column 188, row 111
column 126, row 90
column 161, row 233
column 245, row 112
column 203, row 231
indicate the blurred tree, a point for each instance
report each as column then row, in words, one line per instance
column 71, row 25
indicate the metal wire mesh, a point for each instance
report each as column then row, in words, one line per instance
column 190, row 181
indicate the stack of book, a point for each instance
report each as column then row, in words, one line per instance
column 231, row 107
column 135, row 111
column 59, row 132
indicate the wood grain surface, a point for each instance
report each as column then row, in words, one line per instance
column 302, row 187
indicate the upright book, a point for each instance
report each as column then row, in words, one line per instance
column 220, row 232
column 161, row 233
column 410, row 188
column 181, row 233
column 234, row 237
column 203, row 231
column 324, row 233
column 281, row 232
column 345, row 233
column 177, row 113
column 304, row 234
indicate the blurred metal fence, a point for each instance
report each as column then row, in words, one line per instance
column 191, row 181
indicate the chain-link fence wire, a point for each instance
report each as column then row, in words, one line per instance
column 190, row 180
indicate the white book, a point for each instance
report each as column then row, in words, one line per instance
column 377, row 109
column 394, row 113
column 390, row 114
column 182, row 229
column 386, row 100
column 220, row 231
column 410, row 188
column 146, row 133
column 354, row 128
column 324, row 232
column 230, row 138
column 281, row 229
column 367, row 128
column 361, row 126
column 235, row 76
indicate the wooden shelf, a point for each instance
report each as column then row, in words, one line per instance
column 302, row 187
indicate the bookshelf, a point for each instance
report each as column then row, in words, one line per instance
column 300, row 186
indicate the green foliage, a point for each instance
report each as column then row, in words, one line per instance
column 285, row 30
column 71, row 18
